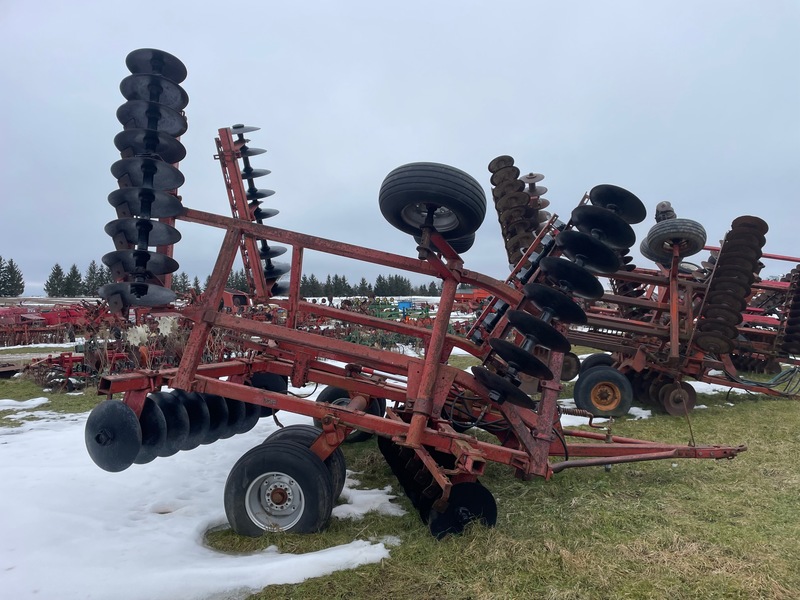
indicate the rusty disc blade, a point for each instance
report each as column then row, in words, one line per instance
column 505, row 174
column 500, row 162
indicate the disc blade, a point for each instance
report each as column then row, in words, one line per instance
column 136, row 294
column 157, row 233
column 146, row 202
column 520, row 359
column 140, row 114
column 154, row 88
column 150, row 141
column 574, row 278
column 620, row 201
column 150, row 60
column 148, row 172
column 506, row 390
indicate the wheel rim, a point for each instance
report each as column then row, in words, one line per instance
column 416, row 215
column 606, row 396
column 275, row 501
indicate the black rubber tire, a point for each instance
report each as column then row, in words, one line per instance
column 460, row 199
column 595, row 360
column 688, row 234
column 306, row 435
column 340, row 396
column 602, row 381
column 460, row 245
column 648, row 254
column 287, row 465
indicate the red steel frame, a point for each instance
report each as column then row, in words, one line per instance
column 420, row 388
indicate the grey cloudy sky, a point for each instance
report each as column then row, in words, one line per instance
column 696, row 102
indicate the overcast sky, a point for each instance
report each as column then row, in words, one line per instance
column 695, row 102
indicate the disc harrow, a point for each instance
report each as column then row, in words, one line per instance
column 419, row 408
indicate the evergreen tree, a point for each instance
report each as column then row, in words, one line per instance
column 73, row 283
column 3, row 278
column 364, row 288
column 180, row 283
column 327, row 289
column 207, row 283
column 196, row 285
column 54, row 286
column 381, row 286
column 93, row 280
column 314, row 286
column 433, row 289
column 15, row 284
column 304, row 285
column 422, row 290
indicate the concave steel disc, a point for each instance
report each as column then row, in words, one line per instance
column 469, row 501
column 154, row 432
column 271, row 252
column 742, row 261
column 146, row 202
column 730, row 285
column 588, row 251
column 520, row 359
column 218, row 418
column 128, row 261
column 508, row 187
column 150, row 60
column 537, row 190
column 541, row 331
column 555, row 303
column 276, row 270
column 745, row 236
column 512, row 200
column 576, row 279
column 607, row 226
column 141, row 170
column 253, row 173
column 177, row 422
column 707, row 325
column 240, row 129
column 500, row 162
column 199, row 417
column 756, row 223
column 279, row 289
column 723, row 314
column 154, row 88
column 247, row 151
column 150, row 141
column 726, row 272
column 504, row 174
column 620, row 201
column 156, row 232
column 725, row 299
column 113, row 435
column 508, row 391
column 140, row 114
column 532, row 178
column 260, row 214
column 136, row 294
column 713, row 343
column 256, row 194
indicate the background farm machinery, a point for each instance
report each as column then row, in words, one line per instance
column 421, row 409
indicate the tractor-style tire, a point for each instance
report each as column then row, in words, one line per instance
column 278, row 486
column 595, row 360
column 340, row 397
column 604, row 392
column 306, row 435
column 409, row 191
column 689, row 235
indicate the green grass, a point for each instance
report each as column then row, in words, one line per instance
column 20, row 388
column 36, row 350
column 683, row 529
column 663, row 529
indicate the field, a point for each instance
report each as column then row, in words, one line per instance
column 683, row 529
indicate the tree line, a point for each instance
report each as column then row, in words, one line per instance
column 73, row 283
column 11, row 280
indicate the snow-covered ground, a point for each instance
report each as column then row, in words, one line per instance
column 70, row 530
column 73, row 531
